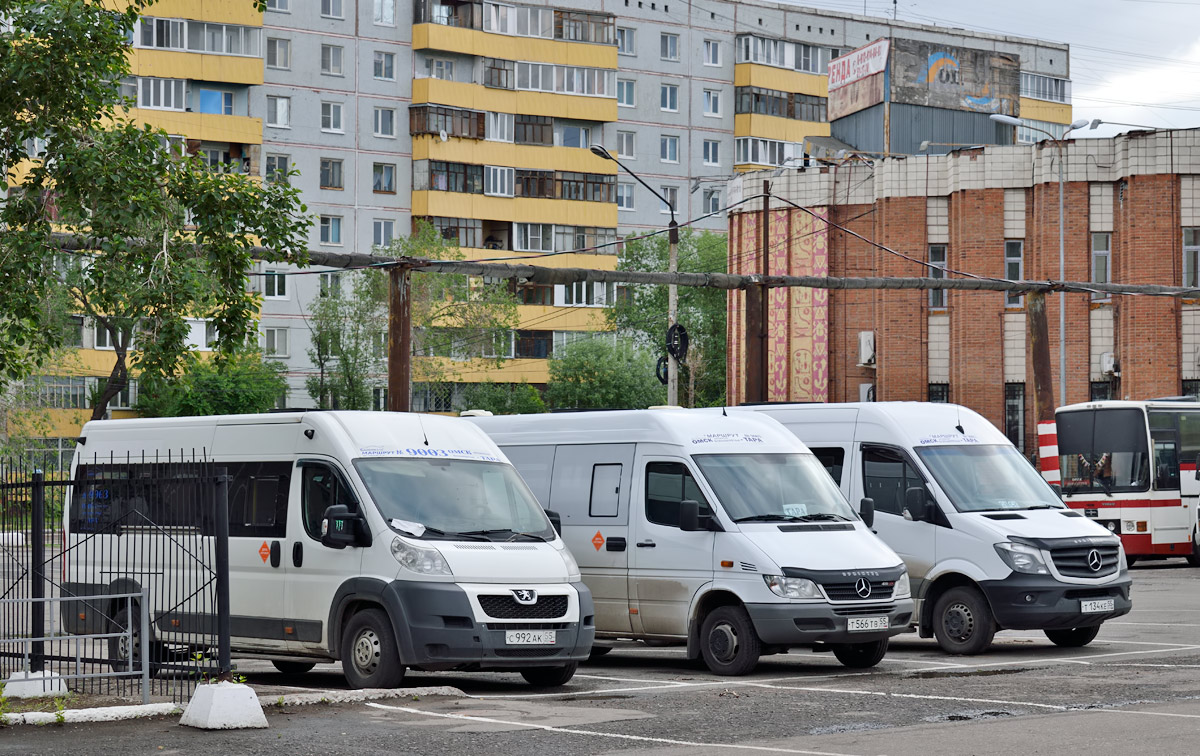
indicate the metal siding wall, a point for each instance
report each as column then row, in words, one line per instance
column 863, row 130
column 913, row 124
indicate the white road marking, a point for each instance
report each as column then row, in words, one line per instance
column 594, row 733
column 886, row 694
column 629, row 679
column 1153, row 624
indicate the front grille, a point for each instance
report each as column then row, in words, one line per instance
column 880, row 590
column 516, row 653
column 506, row 607
column 527, row 625
column 856, row 611
column 1073, row 561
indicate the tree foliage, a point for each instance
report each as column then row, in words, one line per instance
column 242, row 383
column 702, row 311
column 503, row 398
column 348, row 326
column 597, row 373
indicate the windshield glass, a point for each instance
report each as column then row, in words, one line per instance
column 454, row 496
column 1102, row 451
column 774, row 486
column 978, row 478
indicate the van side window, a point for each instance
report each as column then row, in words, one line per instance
column 667, row 484
column 321, row 488
column 832, row 458
column 886, row 476
column 606, row 488
column 258, row 499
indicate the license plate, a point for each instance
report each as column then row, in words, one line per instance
column 859, row 624
column 529, row 637
column 1102, row 605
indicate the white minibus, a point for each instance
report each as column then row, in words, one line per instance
column 721, row 533
column 386, row 540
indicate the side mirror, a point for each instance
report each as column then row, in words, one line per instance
column 689, row 516
column 916, row 504
column 1198, row 467
column 866, row 510
column 340, row 527
column 1057, row 489
column 555, row 520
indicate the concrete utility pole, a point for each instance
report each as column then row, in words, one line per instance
column 399, row 363
column 756, row 313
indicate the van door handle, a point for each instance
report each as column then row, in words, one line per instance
column 298, row 553
column 615, row 543
column 645, row 544
column 274, row 553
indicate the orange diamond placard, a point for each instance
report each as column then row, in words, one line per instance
column 598, row 540
column 264, row 551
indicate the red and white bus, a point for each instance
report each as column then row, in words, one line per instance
column 1131, row 467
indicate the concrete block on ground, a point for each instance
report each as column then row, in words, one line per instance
column 224, row 706
column 34, row 685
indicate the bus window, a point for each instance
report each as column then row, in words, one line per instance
column 1166, row 461
column 1103, row 450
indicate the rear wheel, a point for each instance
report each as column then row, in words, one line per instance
column 549, row 677
column 728, row 642
column 1193, row 558
column 963, row 622
column 1132, row 560
column 861, row 655
column 125, row 651
column 369, row 655
column 598, row 651
column 293, row 667
column 1073, row 637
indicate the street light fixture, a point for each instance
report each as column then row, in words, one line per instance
column 1062, row 299
column 672, row 266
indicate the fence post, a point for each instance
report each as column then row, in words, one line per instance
column 143, row 643
column 37, row 536
column 225, row 667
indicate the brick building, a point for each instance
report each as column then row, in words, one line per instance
column 1132, row 215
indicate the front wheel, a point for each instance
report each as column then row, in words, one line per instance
column 861, row 655
column 292, row 667
column 1074, row 637
column 728, row 642
column 549, row 677
column 1193, row 558
column 369, row 655
column 963, row 622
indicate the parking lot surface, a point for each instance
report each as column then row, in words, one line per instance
column 1136, row 688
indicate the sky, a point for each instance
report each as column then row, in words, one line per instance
column 1132, row 61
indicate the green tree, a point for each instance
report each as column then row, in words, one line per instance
column 599, row 374
column 503, row 398
column 349, row 329
column 642, row 314
column 242, row 383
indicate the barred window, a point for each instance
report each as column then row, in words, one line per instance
column 531, row 129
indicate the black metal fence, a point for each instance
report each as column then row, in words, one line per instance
column 87, row 562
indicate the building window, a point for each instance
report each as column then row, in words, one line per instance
column 331, row 60
column 1101, row 259
column 385, row 66
column 1030, row 130
column 668, row 46
column 625, row 144
column 278, row 5
column 712, row 102
column 331, row 174
column 712, row 152
column 712, row 201
column 331, row 229
column 468, row 232
column 1192, row 388
column 528, row 183
column 274, row 284
column 625, row 40
column 1099, row 391
column 385, row 122
column 157, row 94
column 385, row 12
column 671, row 194
column 499, row 127
column 331, row 8
column 625, row 93
column 275, row 342
column 497, row 181
column 766, row 151
column 535, row 294
column 383, row 230
column 498, row 74
column 1041, row 87
column 1191, row 256
column 668, row 149
column 576, row 136
column 331, row 117
column 808, row 108
column 331, row 284
column 938, row 392
column 1013, row 269
column 589, row 294
column 216, row 102
column 1014, row 414
column 440, row 68
column 279, row 111
column 624, row 196
column 668, row 98
column 279, row 53
column 379, row 399
column 534, row 344
column 534, row 237
column 937, row 269
column 531, row 129
column 583, row 238
column 383, row 178
column 455, row 177
column 712, row 52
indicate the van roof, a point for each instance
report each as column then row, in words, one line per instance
column 910, row 423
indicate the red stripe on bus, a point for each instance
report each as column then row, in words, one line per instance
column 1115, row 504
column 1188, row 466
column 1141, row 544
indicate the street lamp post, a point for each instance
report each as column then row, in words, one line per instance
column 672, row 266
column 1062, row 300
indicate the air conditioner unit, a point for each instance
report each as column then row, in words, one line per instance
column 1108, row 363
column 866, row 349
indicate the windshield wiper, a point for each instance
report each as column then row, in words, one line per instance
column 451, row 534
column 824, row 516
column 769, row 518
column 496, row 531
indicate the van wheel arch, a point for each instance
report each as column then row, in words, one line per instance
column 354, row 596
column 705, row 604
column 942, row 584
column 123, row 585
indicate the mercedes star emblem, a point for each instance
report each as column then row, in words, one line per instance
column 862, row 587
column 1095, row 561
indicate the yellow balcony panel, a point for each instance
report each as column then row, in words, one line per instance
column 1041, row 110
column 594, row 261
column 39, row 422
column 209, row 127
column 222, row 11
column 520, row 209
column 475, row 42
column 531, row 157
column 780, row 79
column 774, row 127
column 546, row 318
column 478, row 97
column 172, row 64
column 510, row 371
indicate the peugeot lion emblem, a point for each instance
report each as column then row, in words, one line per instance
column 525, row 596
column 862, row 587
column 1095, row 561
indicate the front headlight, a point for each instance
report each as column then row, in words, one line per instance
column 572, row 565
column 902, row 589
column 419, row 560
column 1022, row 558
column 1122, row 562
column 793, row 588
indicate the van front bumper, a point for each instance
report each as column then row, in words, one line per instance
column 436, row 628
column 806, row 624
column 1039, row 602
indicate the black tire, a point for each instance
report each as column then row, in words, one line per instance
column 1194, row 558
column 118, row 652
column 370, row 657
column 728, row 642
column 1074, row 637
column 293, row 667
column 598, row 651
column 1130, row 560
column 963, row 621
column 861, row 655
column 549, row 677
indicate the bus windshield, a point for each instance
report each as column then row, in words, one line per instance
column 454, row 497
column 770, row 487
column 1103, row 450
column 980, row 478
